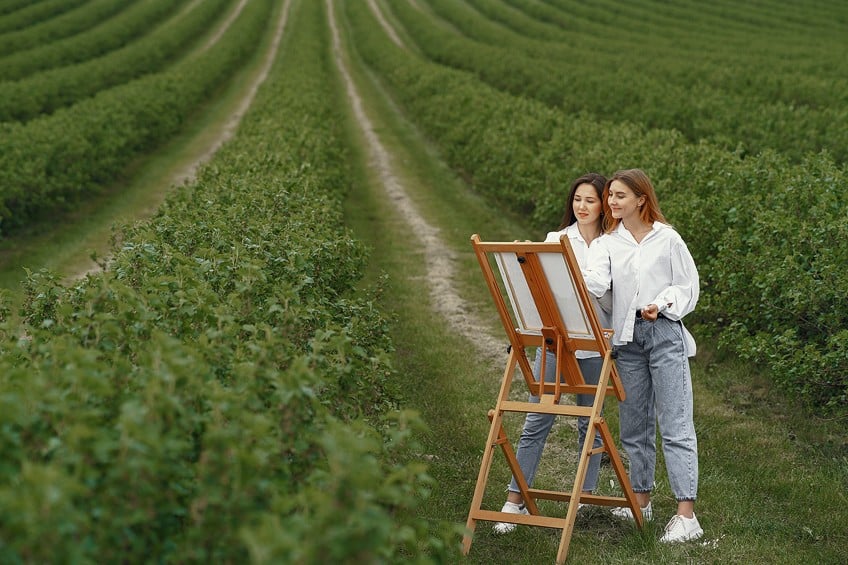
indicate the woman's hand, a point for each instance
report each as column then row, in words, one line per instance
column 650, row 312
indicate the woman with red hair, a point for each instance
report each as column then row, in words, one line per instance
column 654, row 284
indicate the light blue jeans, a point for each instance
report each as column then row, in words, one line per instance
column 655, row 373
column 537, row 426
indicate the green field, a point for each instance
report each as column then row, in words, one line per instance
column 288, row 355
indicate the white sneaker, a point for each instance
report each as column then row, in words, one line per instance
column 625, row 513
column 680, row 528
column 509, row 508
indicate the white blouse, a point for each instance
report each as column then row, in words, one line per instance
column 581, row 251
column 659, row 270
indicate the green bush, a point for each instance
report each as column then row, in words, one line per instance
column 52, row 162
column 221, row 392
column 59, row 27
column 112, row 34
column 44, row 92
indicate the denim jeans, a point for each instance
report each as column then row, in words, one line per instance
column 537, row 426
column 655, row 373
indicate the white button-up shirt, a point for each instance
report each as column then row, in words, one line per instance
column 658, row 270
column 581, row 251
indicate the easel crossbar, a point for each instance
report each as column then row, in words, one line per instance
column 525, row 519
column 557, row 496
column 558, row 409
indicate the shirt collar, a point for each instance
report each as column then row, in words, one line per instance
column 621, row 231
column 573, row 232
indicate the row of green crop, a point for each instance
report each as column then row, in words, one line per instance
column 45, row 92
column 108, row 36
column 791, row 74
column 219, row 394
column 70, row 23
column 8, row 6
column 54, row 161
column 762, row 229
column 24, row 13
column 617, row 87
column 765, row 58
column 690, row 24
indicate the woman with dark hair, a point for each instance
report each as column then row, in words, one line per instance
column 583, row 224
column 655, row 284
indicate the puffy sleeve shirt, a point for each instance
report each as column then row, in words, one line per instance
column 658, row 270
column 581, row 252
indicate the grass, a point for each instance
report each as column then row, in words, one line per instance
column 772, row 477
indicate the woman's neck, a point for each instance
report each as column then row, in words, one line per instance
column 589, row 232
column 637, row 228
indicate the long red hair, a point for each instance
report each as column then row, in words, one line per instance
column 637, row 181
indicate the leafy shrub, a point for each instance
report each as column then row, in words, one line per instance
column 222, row 391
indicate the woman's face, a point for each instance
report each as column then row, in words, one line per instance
column 586, row 205
column 623, row 202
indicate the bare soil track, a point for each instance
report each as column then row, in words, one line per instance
column 439, row 258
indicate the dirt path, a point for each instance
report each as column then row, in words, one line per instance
column 224, row 26
column 372, row 4
column 226, row 128
column 187, row 173
column 440, row 259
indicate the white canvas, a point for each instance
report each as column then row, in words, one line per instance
column 525, row 313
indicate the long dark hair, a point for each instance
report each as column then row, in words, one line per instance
column 596, row 180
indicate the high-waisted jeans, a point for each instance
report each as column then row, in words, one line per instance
column 655, row 373
column 537, row 426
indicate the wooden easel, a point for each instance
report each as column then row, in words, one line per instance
column 551, row 308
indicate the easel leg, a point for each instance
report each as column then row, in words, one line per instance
column 512, row 462
column 496, row 417
column 570, row 518
column 482, row 479
column 623, row 478
column 577, row 489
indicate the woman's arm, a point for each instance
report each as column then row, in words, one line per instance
column 597, row 273
column 681, row 296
